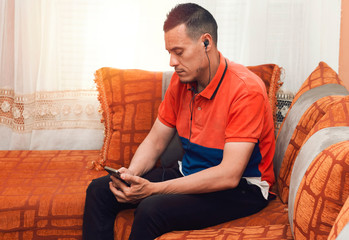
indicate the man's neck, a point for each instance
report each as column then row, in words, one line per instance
column 210, row 72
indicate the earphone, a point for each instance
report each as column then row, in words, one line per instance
column 206, row 43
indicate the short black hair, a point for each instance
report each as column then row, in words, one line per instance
column 197, row 20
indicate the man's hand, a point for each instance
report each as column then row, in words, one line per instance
column 139, row 189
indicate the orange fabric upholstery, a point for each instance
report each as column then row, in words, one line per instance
column 337, row 115
column 321, row 76
column 341, row 221
column 304, row 126
column 322, row 193
column 42, row 193
column 270, row 232
column 270, row 74
column 323, row 189
column 129, row 101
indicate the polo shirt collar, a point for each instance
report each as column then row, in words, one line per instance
column 211, row 89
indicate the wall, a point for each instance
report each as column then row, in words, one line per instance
column 344, row 44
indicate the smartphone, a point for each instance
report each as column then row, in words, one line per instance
column 115, row 173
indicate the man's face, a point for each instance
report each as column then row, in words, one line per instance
column 186, row 54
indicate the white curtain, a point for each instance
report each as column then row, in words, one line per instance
column 49, row 50
column 295, row 34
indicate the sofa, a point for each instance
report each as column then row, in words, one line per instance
column 42, row 193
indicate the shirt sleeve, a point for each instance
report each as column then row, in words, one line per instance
column 167, row 113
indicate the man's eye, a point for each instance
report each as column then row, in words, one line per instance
column 179, row 53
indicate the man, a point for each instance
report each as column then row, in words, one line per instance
column 224, row 120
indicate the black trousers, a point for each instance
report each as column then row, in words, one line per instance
column 159, row 214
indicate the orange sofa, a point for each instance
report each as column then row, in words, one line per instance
column 42, row 193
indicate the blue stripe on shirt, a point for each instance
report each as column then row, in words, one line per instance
column 198, row 158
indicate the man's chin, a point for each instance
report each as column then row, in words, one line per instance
column 183, row 79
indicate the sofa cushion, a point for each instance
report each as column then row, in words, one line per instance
column 307, row 121
column 320, row 175
column 321, row 193
column 267, row 232
column 274, row 214
column 340, row 229
column 337, row 115
column 42, row 193
column 129, row 101
column 270, row 74
column 306, row 108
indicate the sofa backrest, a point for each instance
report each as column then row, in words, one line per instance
column 320, row 175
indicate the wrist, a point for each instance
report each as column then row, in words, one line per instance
column 156, row 187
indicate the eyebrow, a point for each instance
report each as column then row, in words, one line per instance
column 175, row 48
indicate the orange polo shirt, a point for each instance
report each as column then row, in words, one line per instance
column 234, row 107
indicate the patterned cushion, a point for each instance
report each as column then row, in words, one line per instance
column 322, row 75
column 322, row 193
column 129, row 101
column 342, row 221
column 320, row 176
column 42, row 193
column 305, row 110
column 270, row 74
column 311, row 116
column 337, row 115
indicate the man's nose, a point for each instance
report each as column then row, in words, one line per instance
column 173, row 60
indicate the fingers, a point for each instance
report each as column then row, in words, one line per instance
column 119, row 195
column 118, row 184
column 125, row 170
column 133, row 194
column 130, row 178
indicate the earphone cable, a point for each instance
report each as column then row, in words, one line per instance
column 209, row 67
column 191, row 108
